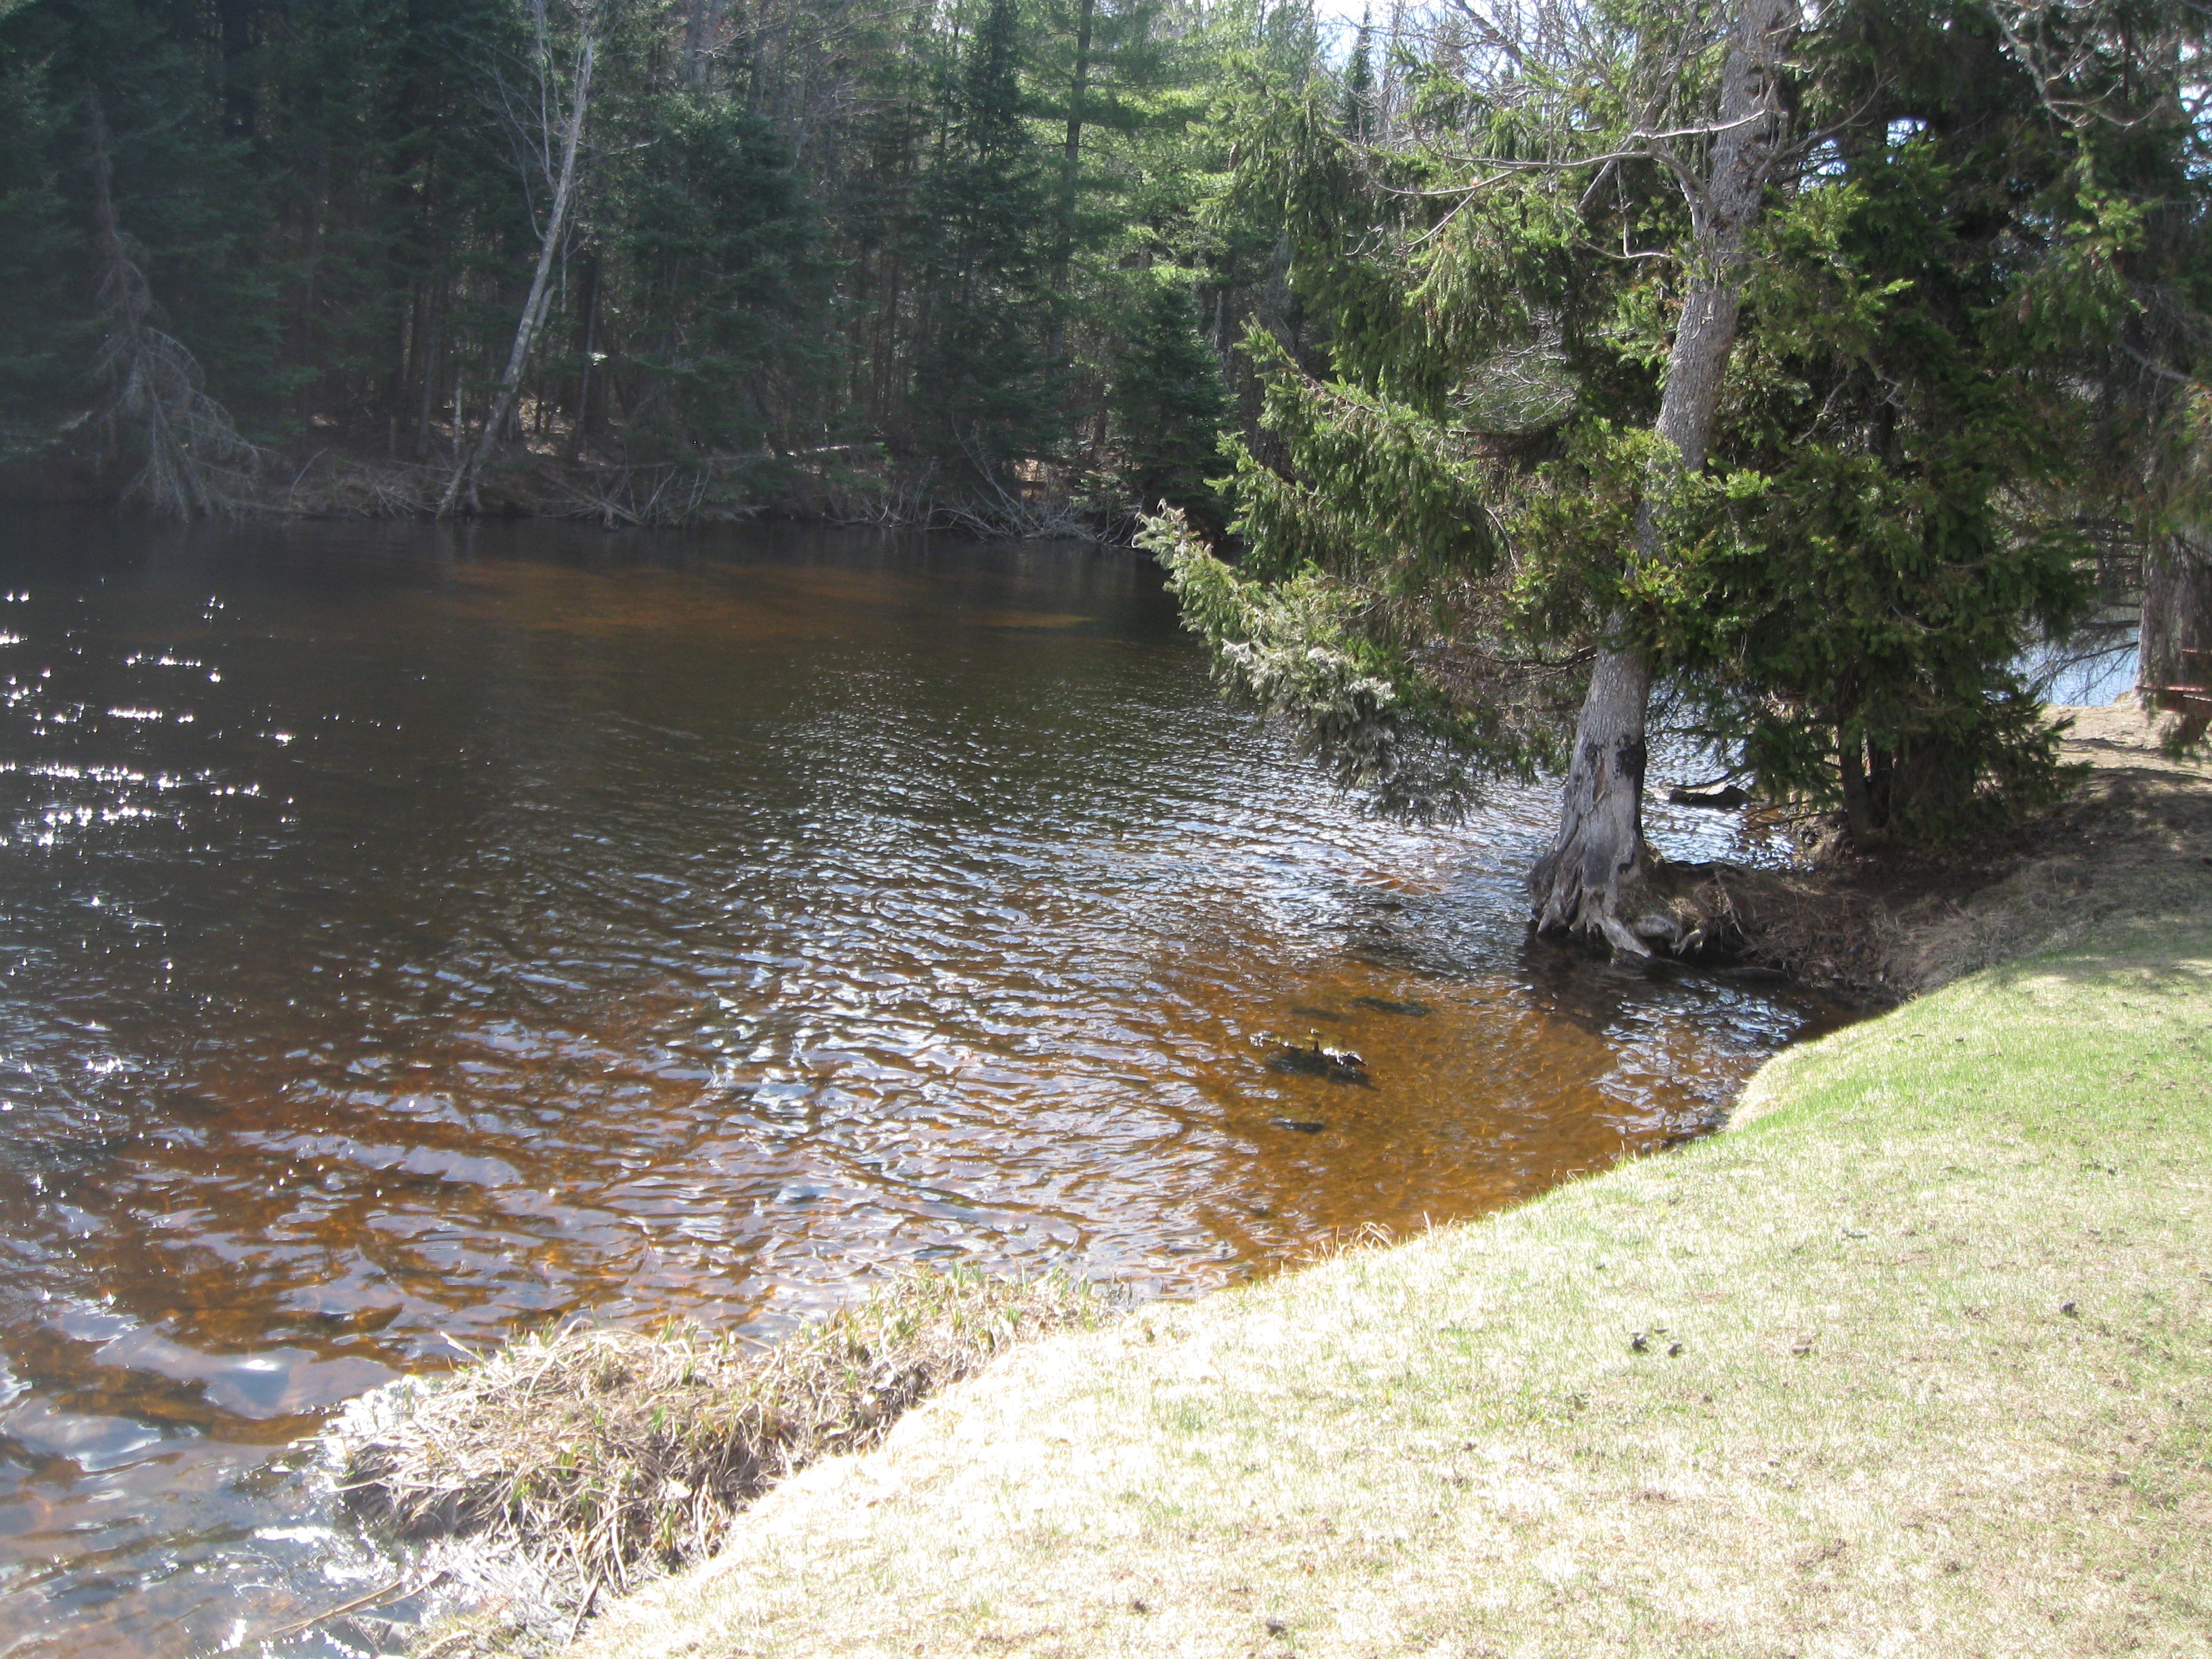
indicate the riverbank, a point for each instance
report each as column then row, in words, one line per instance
column 846, row 484
column 1912, row 1359
column 2137, row 829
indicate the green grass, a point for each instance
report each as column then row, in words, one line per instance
column 1923, row 1369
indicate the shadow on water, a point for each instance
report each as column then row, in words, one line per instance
column 410, row 935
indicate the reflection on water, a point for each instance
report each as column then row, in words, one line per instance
column 410, row 936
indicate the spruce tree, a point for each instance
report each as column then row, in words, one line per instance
column 982, row 387
column 729, row 275
column 1494, row 501
column 1169, row 406
column 1358, row 95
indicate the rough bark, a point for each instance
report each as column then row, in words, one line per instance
column 462, row 488
column 1601, row 837
column 1858, row 796
column 702, row 25
column 2177, row 618
column 1577, row 885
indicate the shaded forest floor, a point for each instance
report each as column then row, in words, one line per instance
column 2133, row 844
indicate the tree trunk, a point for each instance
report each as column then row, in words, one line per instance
column 1070, row 164
column 579, row 425
column 234, row 35
column 701, row 23
column 1601, row 839
column 434, row 371
column 1858, row 796
column 2177, row 618
column 1577, row 885
column 462, row 488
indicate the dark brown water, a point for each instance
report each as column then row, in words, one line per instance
column 410, row 936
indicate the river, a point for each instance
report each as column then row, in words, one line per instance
column 412, row 935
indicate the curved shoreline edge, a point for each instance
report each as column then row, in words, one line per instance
column 1914, row 1360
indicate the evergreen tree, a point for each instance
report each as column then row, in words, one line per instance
column 44, row 339
column 1483, row 505
column 730, row 277
column 983, row 383
column 1907, row 456
column 1169, row 406
column 1359, row 92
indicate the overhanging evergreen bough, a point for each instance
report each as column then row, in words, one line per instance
column 1778, row 364
column 192, row 461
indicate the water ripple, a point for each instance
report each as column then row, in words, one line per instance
column 411, row 936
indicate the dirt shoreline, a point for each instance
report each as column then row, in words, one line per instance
column 854, row 484
column 2140, row 823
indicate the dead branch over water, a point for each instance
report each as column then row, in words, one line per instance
column 194, row 464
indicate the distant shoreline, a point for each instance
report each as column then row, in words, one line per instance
column 849, row 484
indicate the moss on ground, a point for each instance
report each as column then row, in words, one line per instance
column 1917, row 1360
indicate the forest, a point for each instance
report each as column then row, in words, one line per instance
column 895, row 251
column 1492, row 378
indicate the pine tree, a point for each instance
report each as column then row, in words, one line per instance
column 1170, row 407
column 983, row 385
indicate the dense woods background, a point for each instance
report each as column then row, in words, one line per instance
column 1523, row 361
column 951, row 249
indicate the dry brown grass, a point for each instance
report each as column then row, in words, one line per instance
column 604, row 1457
column 2133, row 848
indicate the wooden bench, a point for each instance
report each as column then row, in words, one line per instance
column 2194, row 698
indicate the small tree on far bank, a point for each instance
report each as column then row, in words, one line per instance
column 1169, row 405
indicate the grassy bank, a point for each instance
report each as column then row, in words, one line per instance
column 1917, row 1360
column 2125, row 849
